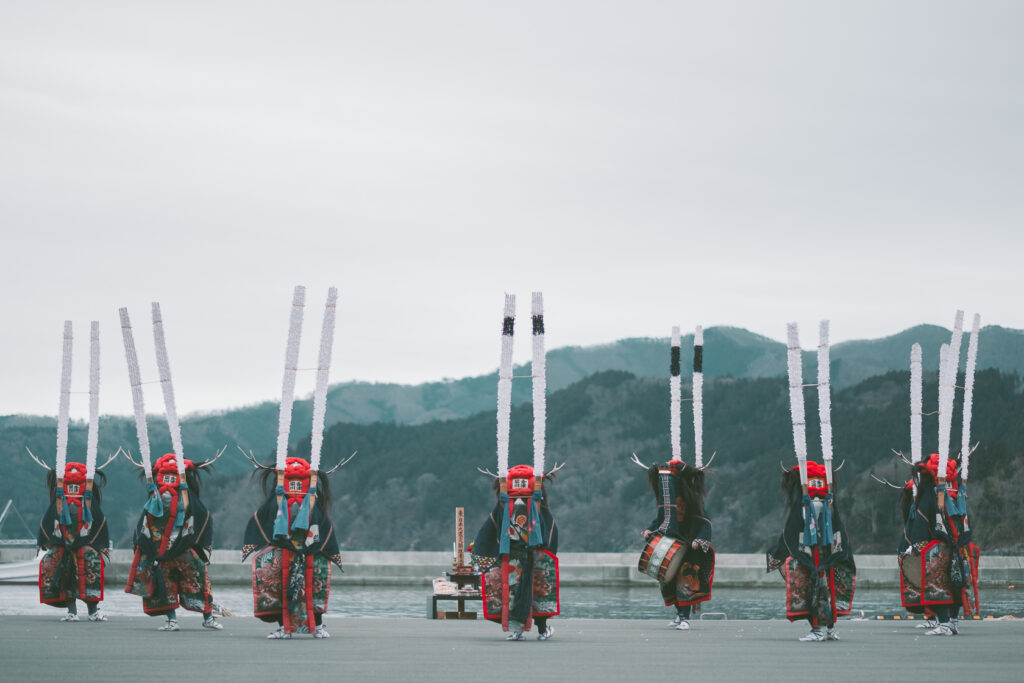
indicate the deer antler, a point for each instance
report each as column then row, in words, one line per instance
column 342, row 463
column 487, row 472
column 899, row 454
column 250, row 458
column 109, row 460
column 550, row 473
column 128, row 454
column 40, row 462
column 210, row 462
column 840, row 465
column 708, row 464
column 784, row 470
column 885, row 481
column 636, row 460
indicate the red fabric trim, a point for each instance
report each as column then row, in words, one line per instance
column 286, row 565
column 132, row 571
column 309, row 594
column 170, row 522
column 923, row 568
column 504, row 592
column 80, row 558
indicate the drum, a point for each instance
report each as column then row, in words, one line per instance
column 661, row 557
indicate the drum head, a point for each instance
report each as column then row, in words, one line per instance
column 675, row 564
column 910, row 566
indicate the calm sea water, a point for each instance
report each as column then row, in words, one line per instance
column 580, row 603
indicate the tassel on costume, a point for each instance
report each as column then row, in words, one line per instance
column 155, row 504
column 179, row 518
column 826, row 521
column 301, row 521
column 535, row 536
column 87, row 508
column 506, row 521
column 65, row 514
column 810, row 527
column 281, row 521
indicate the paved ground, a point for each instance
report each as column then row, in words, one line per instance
column 382, row 650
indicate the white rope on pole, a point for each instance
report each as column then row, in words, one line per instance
column 916, row 402
column 291, row 361
column 947, row 393
column 825, row 399
column 539, row 383
column 698, row 397
column 675, row 398
column 92, row 440
column 135, row 379
column 505, row 383
column 796, row 399
column 163, row 365
column 65, row 401
column 322, row 376
column 972, row 359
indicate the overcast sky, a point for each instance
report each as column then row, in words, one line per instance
column 645, row 164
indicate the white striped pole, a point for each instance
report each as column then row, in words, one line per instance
column 505, row 385
column 796, row 399
column 539, row 384
column 916, row 403
column 92, row 440
column 698, row 397
column 322, row 375
column 65, row 403
column 163, row 365
column 675, row 397
column 947, row 394
column 972, row 359
column 135, row 379
column 825, row 400
column 291, row 362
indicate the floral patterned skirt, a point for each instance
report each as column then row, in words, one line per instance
column 290, row 588
column 934, row 574
column 545, row 587
column 168, row 584
column 818, row 595
column 66, row 574
column 692, row 584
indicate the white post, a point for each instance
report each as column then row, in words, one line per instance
column 291, row 362
column 947, row 393
column 322, row 375
column 135, row 379
column 163, row 365
column 539, row 383
column 505, row 384
column 916, row 401
column 698, row 397
column 675, row 398
column 65, row 402
column 825, row 400
column 972, row 359
column 796, row 399
column 92, row 441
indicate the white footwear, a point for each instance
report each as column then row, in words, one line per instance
column 516, row 635
column 815, row 636
column 97, row 616
column 279, row 634
column 675, row 622
column 831, row 634
column 684, row 625
column 928, row 623
column 70, row 616
column 954, row 626
column 171, row 625
column 546, row 634
column 942, row 629
column 212, row 623
column 321, row 632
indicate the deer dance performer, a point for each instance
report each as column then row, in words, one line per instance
column 813, row 552
column 73, row 532
column 174, row 535
column 291, row 534
column 678, row 551
column 516, row 546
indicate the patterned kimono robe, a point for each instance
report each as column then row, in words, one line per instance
column 73, row 564
column 692, row 584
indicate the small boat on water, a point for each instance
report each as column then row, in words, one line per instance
column 20, row 572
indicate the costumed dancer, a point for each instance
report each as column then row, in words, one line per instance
column 290, row 537
column 174, row 535
column 938, row 561
column 813, row 553
column 515, row 549
column 678, row 551
column 73, row 532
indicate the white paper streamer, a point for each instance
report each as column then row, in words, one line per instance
column 972, row 358
column 92, row 440
column 291, row 362
column 135, row 379
column 675, row 402
column 825, row 399
column 539, row 383
column 946, row 399
column 322, row 374
column 796, row 399
column 65, row 401
column 505, row 383
column 163, row 365
column 916, row 388
column 698, row 401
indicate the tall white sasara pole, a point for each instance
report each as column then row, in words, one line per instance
column 505, row 384
column 796, row 399
column 135, row 379
column 92, row 441
column 698, row 397
column 972, row 359
column 825, row 400
column 65, row 402
column 916, row 402
column 947, row 392
column 163, row 365
column 322, row 376
column 675, row 397
column 291, row 362
column 539, row 383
